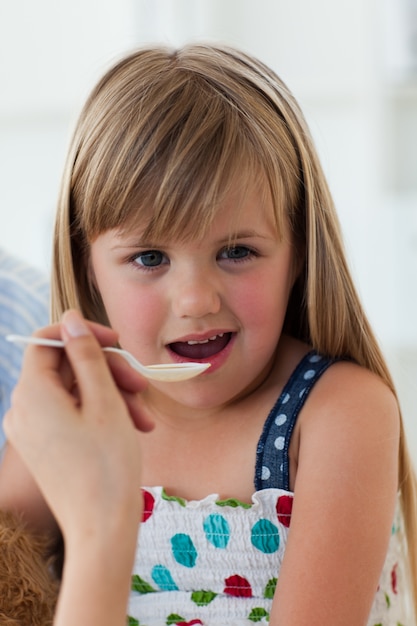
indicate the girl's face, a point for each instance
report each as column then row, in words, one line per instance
column 206, row 300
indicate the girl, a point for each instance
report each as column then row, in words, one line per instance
column 195, row 221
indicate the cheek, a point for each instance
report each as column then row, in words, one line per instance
column 132, row 311
column 130, row 308
column 264, row 299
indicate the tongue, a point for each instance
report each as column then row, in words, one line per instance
column 200, row 350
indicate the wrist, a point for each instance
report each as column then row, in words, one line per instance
column 96, row 581
column 103, row 527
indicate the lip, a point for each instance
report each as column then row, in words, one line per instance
column 216, row 360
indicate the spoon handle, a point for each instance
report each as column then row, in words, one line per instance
column 37, row 341
column 163, row 372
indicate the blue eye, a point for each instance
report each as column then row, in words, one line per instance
column 236, row 253
column 150, row 259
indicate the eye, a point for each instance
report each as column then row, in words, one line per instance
column 150, row 259
column 236, row 253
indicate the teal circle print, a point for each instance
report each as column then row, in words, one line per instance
column 217, row 530
column 265, row 536
column 184, row 550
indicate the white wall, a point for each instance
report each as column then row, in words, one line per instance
column 343, row 62
column 51, row 53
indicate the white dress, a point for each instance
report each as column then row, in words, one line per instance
column 216, row 563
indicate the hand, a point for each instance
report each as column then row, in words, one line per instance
column 79, row 442
column 73, row 421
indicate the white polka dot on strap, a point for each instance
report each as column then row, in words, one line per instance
column 266, row 473
column 315, row 358
column 280, row 419
column 279, row 443
column 286, row 398
column 309, row 374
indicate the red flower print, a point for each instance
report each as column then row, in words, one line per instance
column 193, row 621
column 394, row 579
column 238, row 586
column 148, row 504
column 284, row 509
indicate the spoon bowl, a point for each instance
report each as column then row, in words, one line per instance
column 165, row 372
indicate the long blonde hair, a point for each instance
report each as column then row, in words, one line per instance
column 159, row 141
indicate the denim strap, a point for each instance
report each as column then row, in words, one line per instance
column 272, row 461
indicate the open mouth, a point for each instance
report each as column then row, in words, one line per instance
column 197, row 350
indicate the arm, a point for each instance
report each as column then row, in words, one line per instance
column 86, row 463
column 345, row 493
column 20, row 494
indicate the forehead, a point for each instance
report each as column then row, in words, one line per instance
column 245, row 209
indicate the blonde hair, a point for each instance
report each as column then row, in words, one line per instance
column 160, row 139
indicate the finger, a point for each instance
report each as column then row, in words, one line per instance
column 128, row 381
column 139, row 415
column 105, row 335
column 94, row 379
column 43, row 358
column 130, row 384
column 124, row 375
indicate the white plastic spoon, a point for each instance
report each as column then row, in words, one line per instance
column 167, row 372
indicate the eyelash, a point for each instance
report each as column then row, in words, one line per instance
column 250, row 253
column 147, row 268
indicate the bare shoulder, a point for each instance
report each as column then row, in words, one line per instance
column 349, row 407
column 350, row 397
column 350, row 428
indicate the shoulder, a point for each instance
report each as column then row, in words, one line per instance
column 350, row 428
column 349, row 412
column 351, row 396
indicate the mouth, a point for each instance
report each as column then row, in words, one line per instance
column 198, row 350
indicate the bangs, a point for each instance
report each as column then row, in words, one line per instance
column 180, row 191
column 162, row 154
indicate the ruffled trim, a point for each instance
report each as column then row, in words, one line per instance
column 259, row 498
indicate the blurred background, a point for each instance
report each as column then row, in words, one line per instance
column 352, row 65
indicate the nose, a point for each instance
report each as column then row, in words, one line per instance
column 195, row 294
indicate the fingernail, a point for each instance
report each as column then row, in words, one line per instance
column 74, row 324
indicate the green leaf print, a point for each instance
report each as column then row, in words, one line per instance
column 202, row 598
column 257, row 614
column 387, row 600
column 233, row 503
column 270, row 588
column 131, row 621
column 174, row 619
column 140, row 585
column 180, row 501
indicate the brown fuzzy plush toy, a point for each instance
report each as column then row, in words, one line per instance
column 28, row 586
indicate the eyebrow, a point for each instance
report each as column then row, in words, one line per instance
column 244, row 234
column 136, row 242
